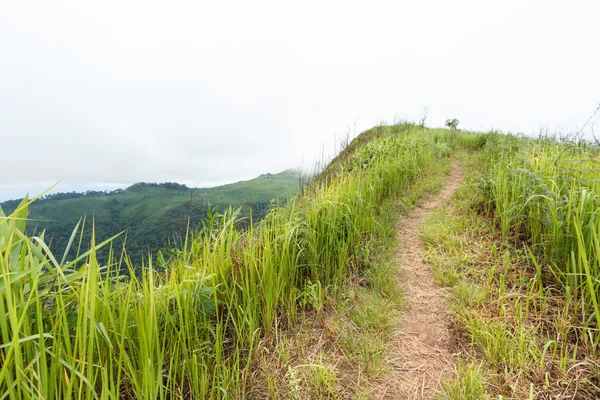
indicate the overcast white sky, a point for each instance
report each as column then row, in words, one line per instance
column 105, row 94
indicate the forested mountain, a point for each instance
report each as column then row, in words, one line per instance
column 151, row 214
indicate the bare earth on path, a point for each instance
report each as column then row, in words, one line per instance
column 420, row 350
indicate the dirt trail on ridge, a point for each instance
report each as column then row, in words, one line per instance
column 420, row 348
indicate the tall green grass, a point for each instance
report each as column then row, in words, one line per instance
column 78, row 329
column 545, row 194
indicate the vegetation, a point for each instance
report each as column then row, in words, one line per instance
column 341, row 341
column 302, row 303
column 517, row 247
column 154, row 216
column 73, row 329
column 546, row 196
column 452, row 123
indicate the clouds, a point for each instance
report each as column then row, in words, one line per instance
column 217, row 91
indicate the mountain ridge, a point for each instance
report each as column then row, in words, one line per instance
column 151, row 214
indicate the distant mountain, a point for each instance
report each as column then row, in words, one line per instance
column 151, row 213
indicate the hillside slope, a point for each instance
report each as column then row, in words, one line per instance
column 305, row 303
column 151, row 214
column 198, row 329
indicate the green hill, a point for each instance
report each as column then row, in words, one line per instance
column 231, row 313
column 150, row 213
column 202, row 328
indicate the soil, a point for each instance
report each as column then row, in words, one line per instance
column 421, row 349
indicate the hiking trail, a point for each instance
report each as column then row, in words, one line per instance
column 420, row 348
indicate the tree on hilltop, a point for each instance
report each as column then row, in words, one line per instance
column 452, row 123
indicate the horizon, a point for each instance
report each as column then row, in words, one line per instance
column 49, row 189
column 118, row 92
column 36, row 188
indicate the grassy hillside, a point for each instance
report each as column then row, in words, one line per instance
column 193, row 331
column 546, row 197
column 519, row 249
column 151, row 214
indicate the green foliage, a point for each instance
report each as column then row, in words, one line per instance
column 154, row 216
column 470, row 384
column 78, row 329
column 522, row 334
column 546, row 194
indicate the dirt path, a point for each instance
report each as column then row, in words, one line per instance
column 421, row 346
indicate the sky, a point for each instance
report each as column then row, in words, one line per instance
column 100, row 95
